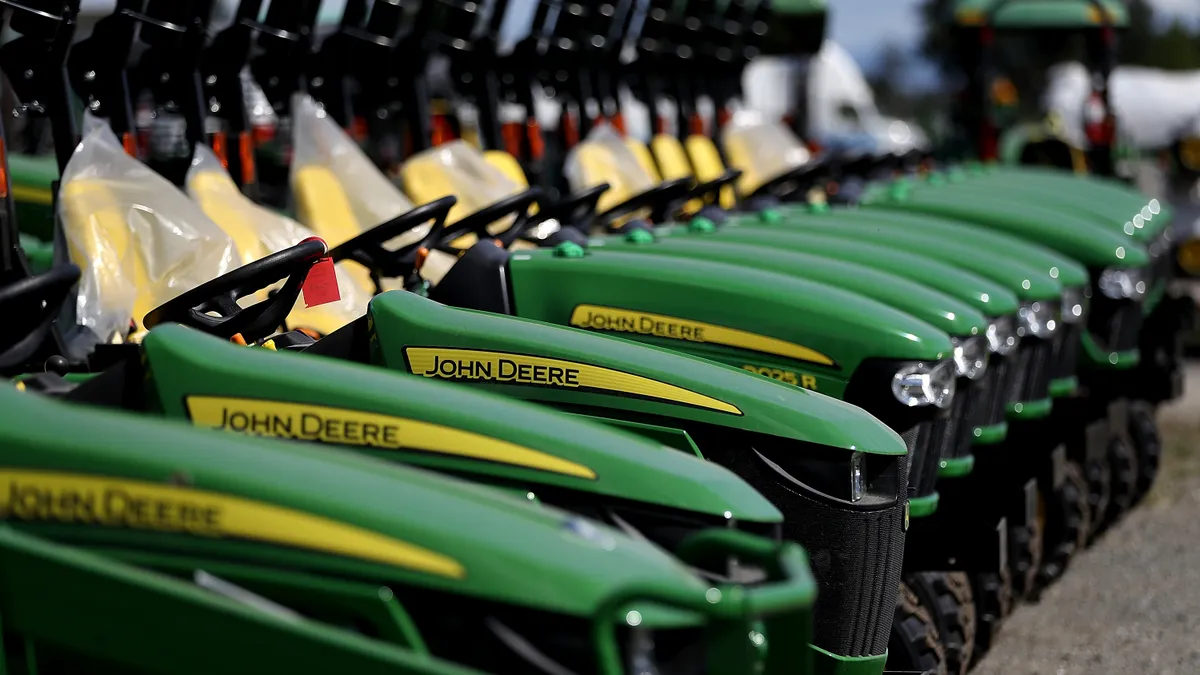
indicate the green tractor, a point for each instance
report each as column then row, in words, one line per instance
column 859, row 581
column 120, row 532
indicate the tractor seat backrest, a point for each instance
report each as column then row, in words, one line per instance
column 761, row 149
column 673, row 163
column 100, row 242
column 624, row 164
column 259, row 232
column 706, row 161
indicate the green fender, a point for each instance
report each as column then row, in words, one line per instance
column 1087, row 242
column 1126, row 199
column 984, row 295
column 1055, row 266
column 373, row 520
column 949, row 314
column 404, row 320
column 538, row 447
column 824, row 331
column 1022, row 279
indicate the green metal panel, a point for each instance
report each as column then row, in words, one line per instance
column 561, row 569
column 1031, row 14
column 185, row 363
column 950, row 314
column 839, row 326
column 768, row 407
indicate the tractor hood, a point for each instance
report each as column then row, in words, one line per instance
column 137, row 483
column 417, row 421
column 551, row 363
column 984, row 295
column 729, row 313
column 1109, row 199
column 1054, row 265
column 948, row 314
column 1089, row 243
column 1022, row 279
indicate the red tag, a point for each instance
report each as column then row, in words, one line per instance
column 321, row 285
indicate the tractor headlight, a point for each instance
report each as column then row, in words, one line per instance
column 920, row 384
column 1002, row 335
column 1037, row 319
column 1122, row 284
column 970, row 356
column 1074, row 305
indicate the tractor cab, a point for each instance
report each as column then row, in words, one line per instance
column 1002, row 47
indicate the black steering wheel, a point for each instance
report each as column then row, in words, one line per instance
column 659, row 199
column 711, row 190
column 367, row 248
column 790, row 182
column 575, row 209
column 479, row 221
column 196, row 308
column 32, row 304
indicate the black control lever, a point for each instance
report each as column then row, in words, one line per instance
column 367, row 249
column 196, row 308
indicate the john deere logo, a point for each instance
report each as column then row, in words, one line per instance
column 342, row 426
column 611, row 319
column 101, row 501
column 474, row 365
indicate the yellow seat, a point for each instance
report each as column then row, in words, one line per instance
column 259, row 233
column 100, row 242
column 762, row 150
column 706, row 161
column 674, row 165
column 322, row 205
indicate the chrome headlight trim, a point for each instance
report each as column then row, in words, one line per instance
column 1037, row 319
column 1002, row 335
column 1123, row 283
column 919, row 384
column 970, row 356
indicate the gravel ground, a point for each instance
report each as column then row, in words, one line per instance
column 1130, row 603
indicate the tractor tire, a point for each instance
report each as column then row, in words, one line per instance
column 1123, row 459
column 914, row 644
column 947, row 596
column 1147, row 444
column 1025, row 557
column 1068, row 523
column 992, row 593
column 1097, row 475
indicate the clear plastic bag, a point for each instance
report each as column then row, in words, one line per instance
column 321, row 150
column 458, row 169
column 762, row 149
column 138, row 240
column 259, row 232
column 605, row 157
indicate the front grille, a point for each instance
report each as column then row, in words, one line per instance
column 1115, row 324
column 1041, row 363
column 1066, row 351
column 969, row 407
column 992, row 392
column 856, row 557
column 1019, row 372
column 927, row 443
